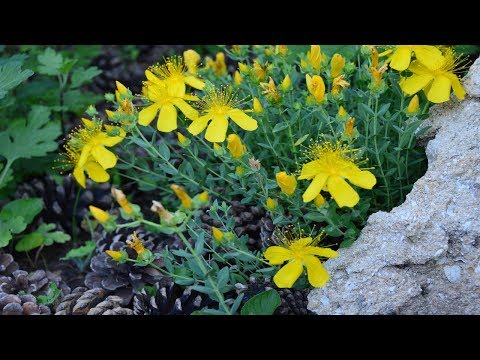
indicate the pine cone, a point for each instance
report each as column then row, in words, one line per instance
column 60, row 199
column 247, row 221
column 294, row 302
column 7, row 264
column 126, row 279
column 266, row 231
column 26, row 304
column 91, row 302
column 171, row 299
column 253, row 288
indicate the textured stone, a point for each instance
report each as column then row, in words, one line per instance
column 423, row 257
column 472, row 80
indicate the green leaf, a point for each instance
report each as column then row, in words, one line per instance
column 52, row 237
column 80, row 252
column 280, row 126
column 11, row 75
column 50, row 62
column 264, row 303
column 30, row 241
column 208, row 312
column 30, row 138
column 5, row 234
column 52, row 294
column 164, row 151
column 26, row 208
column 237, row 303
column 302, row 139
column 81, row 76
column 222, row 277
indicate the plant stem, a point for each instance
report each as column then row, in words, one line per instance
column 5, row 170
column 74, row 216
column 377, row 155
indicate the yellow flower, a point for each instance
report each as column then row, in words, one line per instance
column 316, row 87
column 243, row 68
column 268, row 51
column 182, row 139
column 121, row 90
column 203, row 197
column 299, row 252
column 175, row 76
column 342, row 111
column 436, row 82
column 339, row 83
column 259, row 71
column 413, row 105
column 319, row 200
column 219, row 64
column 136, row 244
column 237, row 78
column 94, row 170
column 101, row 216
column 287, row 183
column 217, row 234
column 336, row 65
column 235, row 146
column 217, row 107
column 166, row 102
column 191, row 58
column 92, row 140
column 239, row 170
column 270, row 203
column 182, row 195
column 314, row 56
column 257, row 106
column 377, row 74
column 161, row 211
column 122, row 200
column 286, row 83
column 236, row 49
column 331, row 164
column 115, row 255
column 282, row 49
column 270, row 90
column 349, row 127
column 428, row 55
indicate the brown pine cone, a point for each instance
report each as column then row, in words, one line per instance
column 26, row 304
column 7, row 264
column 91, row 302
column 294, row 302
column 247, row 221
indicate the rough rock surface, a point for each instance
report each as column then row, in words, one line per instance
column 423, row 257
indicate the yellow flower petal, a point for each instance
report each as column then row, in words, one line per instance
column 167, row 120
column 99, row 214
column 79, row 175
column 96, row 172
column 440, row 90
column 121, row 88
column 302, row 242
column 401, row 58
column 310, row 170
column 186, row 109
column 242, row 119
column 277, row 255
column 319, row 251
column 364, row 179
column 415, row 83
column 111, row 140
column 341, row 192
column 287, row 275
column 151, row 77
column 86, row 151
column 217, row 130
column 104, row 157
column 176, row 87
column 194, row 82
column 317, row 275
column 197, row 126
column 428, row 55
column 458, row 89
column 146, row 116
column 315, row 187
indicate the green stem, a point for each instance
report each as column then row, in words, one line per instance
column 367, row 121
column 5, row 170
column 205, row 271
column 249, row 255
column 74, row 216
column 398, row 152
column 377, row 155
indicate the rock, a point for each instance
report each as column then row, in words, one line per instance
column 471, row 82
column 423, row 257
